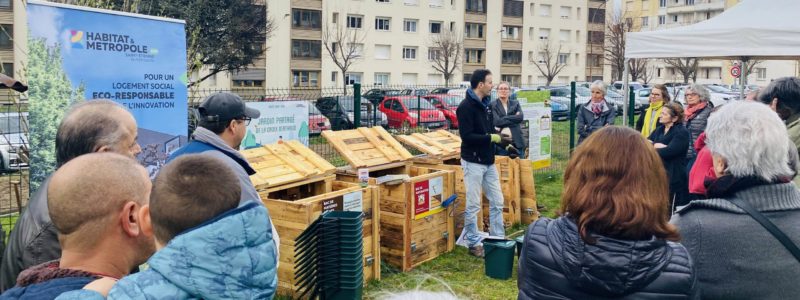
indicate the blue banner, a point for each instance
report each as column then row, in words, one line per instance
column 138, row 61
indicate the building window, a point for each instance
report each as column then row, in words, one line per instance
column 353, row 78
column 354, row 21
column 762, row 73
column 596, row 37
column 411, row 2
column 434, row 54
column 563, row 58
column 662, row 3
column 645, row 21
column 383, row 1
column 7, row 36
column 383, row 51
column 532, row 10
column 513, row 80
column 381, row 79
column 382, row 23
column 689, row 2
column 305, row 78
column 662, row 20
column 511, row 32
column 675, row 19
column 334, row 76
column 335, row 18
column 513, row 8
column 5, row 4
column 473, row 56
column 8, row 69
column 409, row 52
column 566, row 12
column 564, row 35
column 358, row 49
column 435, row 3
column 544, row 33
column 409, row 78
column 476, row 6
column 473, row 30
column 708, row 15
column 512, row 57
column 302, row 18
column 410, row 25
column 247, row 83
column 306, row 49
column 436, row 27
column 597, row 16
column 595, row 60
column 530, row 33
column 544, row 10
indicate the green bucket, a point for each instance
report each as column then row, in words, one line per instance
column 520, row 240
column 499, row 258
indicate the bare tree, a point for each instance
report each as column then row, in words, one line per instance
column 548, row 64
column 344, row 46
column 617, row 25
column 446, row 49
column 751, row 65
column 637, row 68
column 648, row 74
column 687, row 67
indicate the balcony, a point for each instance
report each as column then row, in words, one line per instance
column 699, row 5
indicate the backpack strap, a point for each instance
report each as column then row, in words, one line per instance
column 769, row 226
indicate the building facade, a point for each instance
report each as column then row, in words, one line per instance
column 12, row 26
column 393, row 41
column 648, row 15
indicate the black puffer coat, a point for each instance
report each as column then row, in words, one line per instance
column 557, row 264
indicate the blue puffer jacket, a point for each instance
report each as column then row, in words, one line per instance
column 556, row 264
column 229, row 257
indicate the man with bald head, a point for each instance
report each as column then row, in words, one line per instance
column 92, row 126
column 97, row 203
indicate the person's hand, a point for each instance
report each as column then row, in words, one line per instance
column 102, row 285
column 512, row 151
column 496, row 138
column 659, row 145
column 506, row 139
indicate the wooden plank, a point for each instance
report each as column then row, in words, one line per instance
column 315, row 159
column 378, row 144
column 333, row 137
column 416, row 143
column 404, row 154
column 432, row 142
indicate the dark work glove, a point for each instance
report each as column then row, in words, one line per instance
column 505, row 139
column 512, row 151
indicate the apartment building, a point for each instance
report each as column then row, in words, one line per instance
column 12, row 26
column 647, row 15
column 394, row 40
column 596, row 67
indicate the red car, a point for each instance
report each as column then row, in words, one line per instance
column 317, row 123
column 402, row 112
column 447, row 104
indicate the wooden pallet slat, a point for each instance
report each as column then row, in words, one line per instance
column 366, row 147
column 285, row 163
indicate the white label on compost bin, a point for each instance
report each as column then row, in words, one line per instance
column 353, row 202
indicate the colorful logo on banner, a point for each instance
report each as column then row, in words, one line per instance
column 76, row 38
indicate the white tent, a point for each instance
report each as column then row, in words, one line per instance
column 763, row 29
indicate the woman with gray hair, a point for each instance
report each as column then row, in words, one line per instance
column 698, row 108
column 752, row 156
column 596, row 113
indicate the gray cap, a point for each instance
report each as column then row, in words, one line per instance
column 222, row 107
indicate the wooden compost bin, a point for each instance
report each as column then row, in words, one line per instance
column 297, row 186
column 443, row 152
column 528, row 208
column 414, row 228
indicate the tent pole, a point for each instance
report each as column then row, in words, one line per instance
column 743, row 78
column 625, row 88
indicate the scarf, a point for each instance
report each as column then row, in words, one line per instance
column 49, row 271
column 597, row 108
column 692, row 110
column 651, row 118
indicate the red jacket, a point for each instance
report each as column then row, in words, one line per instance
column 703, row 167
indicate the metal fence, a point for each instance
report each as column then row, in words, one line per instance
column 14, row 133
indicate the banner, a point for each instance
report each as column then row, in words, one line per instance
column 78, row 53
column 279, row 121
column 539, row 118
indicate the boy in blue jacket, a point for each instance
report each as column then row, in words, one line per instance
column 207, row 247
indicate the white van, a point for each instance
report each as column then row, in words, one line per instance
column 634, row 85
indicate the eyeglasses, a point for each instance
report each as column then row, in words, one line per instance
column 691, row 94
column 503, row 89
column 246, row 120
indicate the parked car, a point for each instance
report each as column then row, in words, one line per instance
column 13, row 141
column 633, row 84
column 447, row 104
column 560, row 112
column 414, row 92
column 561, row 94
column 339, row 110
column 317, row 123
column 441, row 90
column 404, row 112
column 722, row 90
column 376, row 95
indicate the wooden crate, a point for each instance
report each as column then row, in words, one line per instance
column 508, row 185
column 367, row 147
column 527, row 192
column 440, row 145
column 409, row 239
column 290, row 162
column 292, row 217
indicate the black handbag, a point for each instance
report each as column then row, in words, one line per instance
column 767, row 224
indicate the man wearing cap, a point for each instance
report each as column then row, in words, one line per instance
column 222, row 125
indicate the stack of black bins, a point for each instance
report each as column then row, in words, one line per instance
column 330, row 257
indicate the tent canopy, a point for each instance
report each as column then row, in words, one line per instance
column 763, row 29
